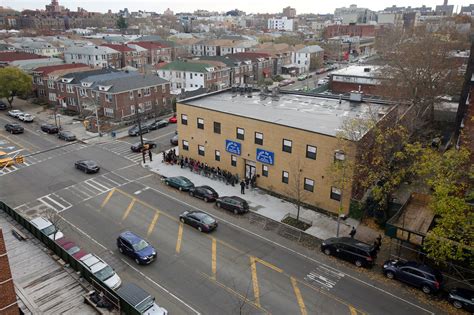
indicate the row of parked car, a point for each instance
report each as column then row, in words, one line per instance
column 422, row 276
column 147, row 127
column 18, row 114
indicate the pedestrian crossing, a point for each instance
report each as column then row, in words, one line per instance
column 324, row 277
column 38, row 157
column 67, row 197
column 122, row 148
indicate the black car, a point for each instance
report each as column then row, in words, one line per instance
column 200, row 220
column 462, row 298
column 87, row 166
column 49, row 128
column 3, row 106
column 66, row 135
column 135, row 131
column 137, row 147
column 174, row 140
column 157, row 124
column 180, row 182
column 14, row 128
column 233, row 203
column 352, row 250
column 205, row 193
column 422, row 276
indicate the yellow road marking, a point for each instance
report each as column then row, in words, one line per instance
column 214, row 264
column 106, row 200
column 152, row 224
column 180, row 237
column 256, row 290
column 252, row 261
column 353, row 310
column 129, row 209
column 299, row 297
column 243, row 298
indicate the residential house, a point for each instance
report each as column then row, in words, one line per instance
column 156, row 52
column 309, row 58
column 281, row 55
column 130, row 57
column 362, row 78
column 44, row 80
column 95, row 56
column 252, row 67
column 7, row 57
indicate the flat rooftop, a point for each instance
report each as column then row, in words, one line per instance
column 357, row 71
column 310, row 113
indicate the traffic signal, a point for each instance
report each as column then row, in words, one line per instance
column 19, row 159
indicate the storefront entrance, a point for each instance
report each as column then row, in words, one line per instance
column 250, row 168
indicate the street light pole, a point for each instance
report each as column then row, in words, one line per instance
column 97, row 115
column 140, row 132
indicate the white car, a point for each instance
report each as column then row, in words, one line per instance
column 15, row 112
column 102, row 271
column 26, row 117
column 47, row 228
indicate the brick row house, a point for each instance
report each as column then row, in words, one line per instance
column 44, row 79
column 155, row 52
column 130, row 57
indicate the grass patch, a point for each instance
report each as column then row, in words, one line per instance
column 296, row 223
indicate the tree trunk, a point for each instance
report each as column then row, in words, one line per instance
column 298, row 212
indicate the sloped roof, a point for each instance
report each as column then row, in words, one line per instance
column 130, row 81
column 149, row 45
column 49, row 69
column 121, row 48
column 187, row 66
column 311, row 49
column 249, row 55
column 16, row 55
column 78, row 76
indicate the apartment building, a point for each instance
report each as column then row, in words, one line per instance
column 156, row 52
column 94, row 56
column 281, row 24
column 288, row 141
column 308, row 58
column 130, row 57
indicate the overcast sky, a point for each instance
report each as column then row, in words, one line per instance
column 249, row 6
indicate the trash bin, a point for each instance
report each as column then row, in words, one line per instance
column 112, row 134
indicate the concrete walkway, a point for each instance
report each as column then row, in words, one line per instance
column 266, row 205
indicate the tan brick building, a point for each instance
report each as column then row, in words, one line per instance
column 288, row 141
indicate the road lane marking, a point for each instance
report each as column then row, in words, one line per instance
column 299, row 254
column 180, row 237
column 129, row 209
column 269, row 265
column 299, row 297
column 153, row 223
column 214, row 258
column 106, row 200
column 256, row 290
column 353, row 310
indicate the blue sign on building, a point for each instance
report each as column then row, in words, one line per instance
column 233, row 147
column 266, row 157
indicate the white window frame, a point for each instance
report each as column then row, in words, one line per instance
column 310, row 183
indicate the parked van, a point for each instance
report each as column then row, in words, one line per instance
column 47, row 228
column 101, row 270
column 140, row 300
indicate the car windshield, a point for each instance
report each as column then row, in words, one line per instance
column 145, row 304
column 91, row 163
column 140, row 245
column 105, row 273
column 73, row 250
column 49, row 230
column 67, row 133
column 207, row 219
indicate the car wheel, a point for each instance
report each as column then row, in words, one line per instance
column 236, row 211
column 199, row 229
column 218, row 204
column 457, row 304
column 180, row 188
column 191, row 194
column 181, row 219
column 327, row 251
column 167, row 183
column 426, row 289
column 205, row 199
column 358, row 263
column 137, row 261
column 121, row 250
column 76, row 166
column 11, row 131
column 390, row 275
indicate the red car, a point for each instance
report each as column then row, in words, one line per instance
column 71, row 248
column 173, row 120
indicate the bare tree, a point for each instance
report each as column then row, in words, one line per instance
column 56, row 220
column 296, row 187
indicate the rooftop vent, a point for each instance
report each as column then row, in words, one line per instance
column 366, row 69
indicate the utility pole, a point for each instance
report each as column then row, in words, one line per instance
column 140, row 132
column 97, row 114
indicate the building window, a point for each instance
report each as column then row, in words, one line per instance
column 284, row 177
column 108, row 98
column 309, row 184
column 147, row 92
column 311, row 152
column 139, row 93
column 184, row 119
column 217, row 155
column 109, row 112
column 132, row 109
column 265, row 170
column 200, row 123
column 201, row 150
column 336, row 193
column 148, row 106
column 233, row 160
column 240, row 133
column 339, row 156
column 185, row 145
column 217, row 127
column 131, row 95
column 259, row 138
column 287, row 145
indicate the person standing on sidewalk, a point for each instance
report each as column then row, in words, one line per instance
column 242, row 187
column 353, row 232
column 150, row 155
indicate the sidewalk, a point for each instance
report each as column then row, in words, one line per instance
column 266, row 205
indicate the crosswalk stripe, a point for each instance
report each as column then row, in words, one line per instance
column 88, row 182
column 97, row 183
column 86, row 186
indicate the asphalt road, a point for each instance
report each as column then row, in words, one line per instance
column 236, row 269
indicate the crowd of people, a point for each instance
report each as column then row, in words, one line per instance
column 204, row 169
